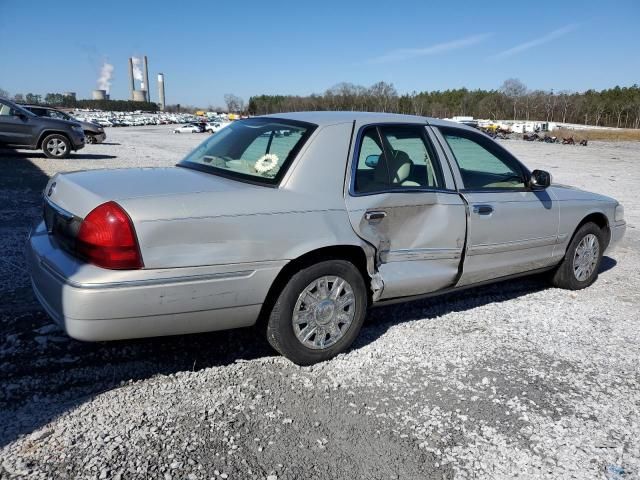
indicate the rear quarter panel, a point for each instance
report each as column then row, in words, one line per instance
column 254, row 224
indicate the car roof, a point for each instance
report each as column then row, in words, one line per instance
column 322, row 118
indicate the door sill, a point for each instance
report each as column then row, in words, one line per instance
column 444, row 291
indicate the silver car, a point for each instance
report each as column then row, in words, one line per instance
column 299, row 223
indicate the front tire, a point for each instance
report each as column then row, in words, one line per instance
column 90, row 138
column 56, row 146
column 581, row 263
column 319, row 312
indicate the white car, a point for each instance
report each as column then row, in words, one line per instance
column 104, row 122
column 213, row 127
column 187, row 129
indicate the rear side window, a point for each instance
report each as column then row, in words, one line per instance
column 396, row 157
column 483, row 164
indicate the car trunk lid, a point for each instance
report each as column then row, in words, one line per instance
column 80, row 192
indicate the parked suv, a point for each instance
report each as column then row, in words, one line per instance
column 21, row 128
column 93, row 133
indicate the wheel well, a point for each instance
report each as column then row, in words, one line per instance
column 351, row 253
column 46, row 133
column 600, row 219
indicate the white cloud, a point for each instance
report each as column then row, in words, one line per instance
column 408, row 53
column 536, row 42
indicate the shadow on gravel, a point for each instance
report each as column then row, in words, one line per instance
column 377, row 322
column 19, row 173
column 80, row 155
column 607, row 264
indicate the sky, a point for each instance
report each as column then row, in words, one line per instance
column 209, row 48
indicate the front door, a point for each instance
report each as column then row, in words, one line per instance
column 14, row 129
column 402, row 202
column 512, row 229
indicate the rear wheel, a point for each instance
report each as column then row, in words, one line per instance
column 581, row 263
column 90, row 138
column 56, row 146
column 319, row 312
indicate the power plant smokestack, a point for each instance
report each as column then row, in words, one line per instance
column 146, row 78
column 132, row 81
column 161, row 90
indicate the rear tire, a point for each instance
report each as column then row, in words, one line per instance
column 319, row 312
column 581, row 263
column 90, row 138
column 56, row 146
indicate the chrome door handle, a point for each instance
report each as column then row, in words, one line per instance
column 483, row 209
column 375, row 215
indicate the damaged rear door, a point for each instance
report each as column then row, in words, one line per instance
column 404, row 203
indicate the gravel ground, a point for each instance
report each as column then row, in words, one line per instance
column 515, row 379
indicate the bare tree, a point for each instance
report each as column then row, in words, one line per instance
column 385, row 94
column 565, row 103
column 514, row 89
column 234, row 103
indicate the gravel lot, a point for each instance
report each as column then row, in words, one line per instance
column 512, row 379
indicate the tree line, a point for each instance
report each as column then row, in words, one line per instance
column 66, row 101
column 613, row 107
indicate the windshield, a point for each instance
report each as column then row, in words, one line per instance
column 257, row 149
column 58, row 114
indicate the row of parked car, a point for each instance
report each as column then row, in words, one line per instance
column 201, row 127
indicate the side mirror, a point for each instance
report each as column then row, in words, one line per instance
column 539, row 180
column 19, row 114
column 372, row 161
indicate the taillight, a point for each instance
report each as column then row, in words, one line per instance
column 107, row 239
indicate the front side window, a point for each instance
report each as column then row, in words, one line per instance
column 396, row 158
column 483, row 164
column 257, row 149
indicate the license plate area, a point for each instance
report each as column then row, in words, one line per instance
column 61, row 225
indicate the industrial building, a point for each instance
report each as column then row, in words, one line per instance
column 139, row 86
column 141, row 94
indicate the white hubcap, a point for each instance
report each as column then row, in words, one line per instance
column 324, row 312
column 586, row 256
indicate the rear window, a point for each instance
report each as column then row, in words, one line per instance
column 258, row 150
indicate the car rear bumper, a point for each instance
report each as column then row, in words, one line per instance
column 95, row 304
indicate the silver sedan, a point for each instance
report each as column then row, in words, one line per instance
column 299, row 223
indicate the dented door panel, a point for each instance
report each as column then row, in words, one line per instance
column 418, row 237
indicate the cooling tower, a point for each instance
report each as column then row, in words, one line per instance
column 139, row 96
column 99, row 94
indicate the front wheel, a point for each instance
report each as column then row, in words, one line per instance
column 319, row 312
column 581, row 263
column 56, row 146
column 90, row 138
